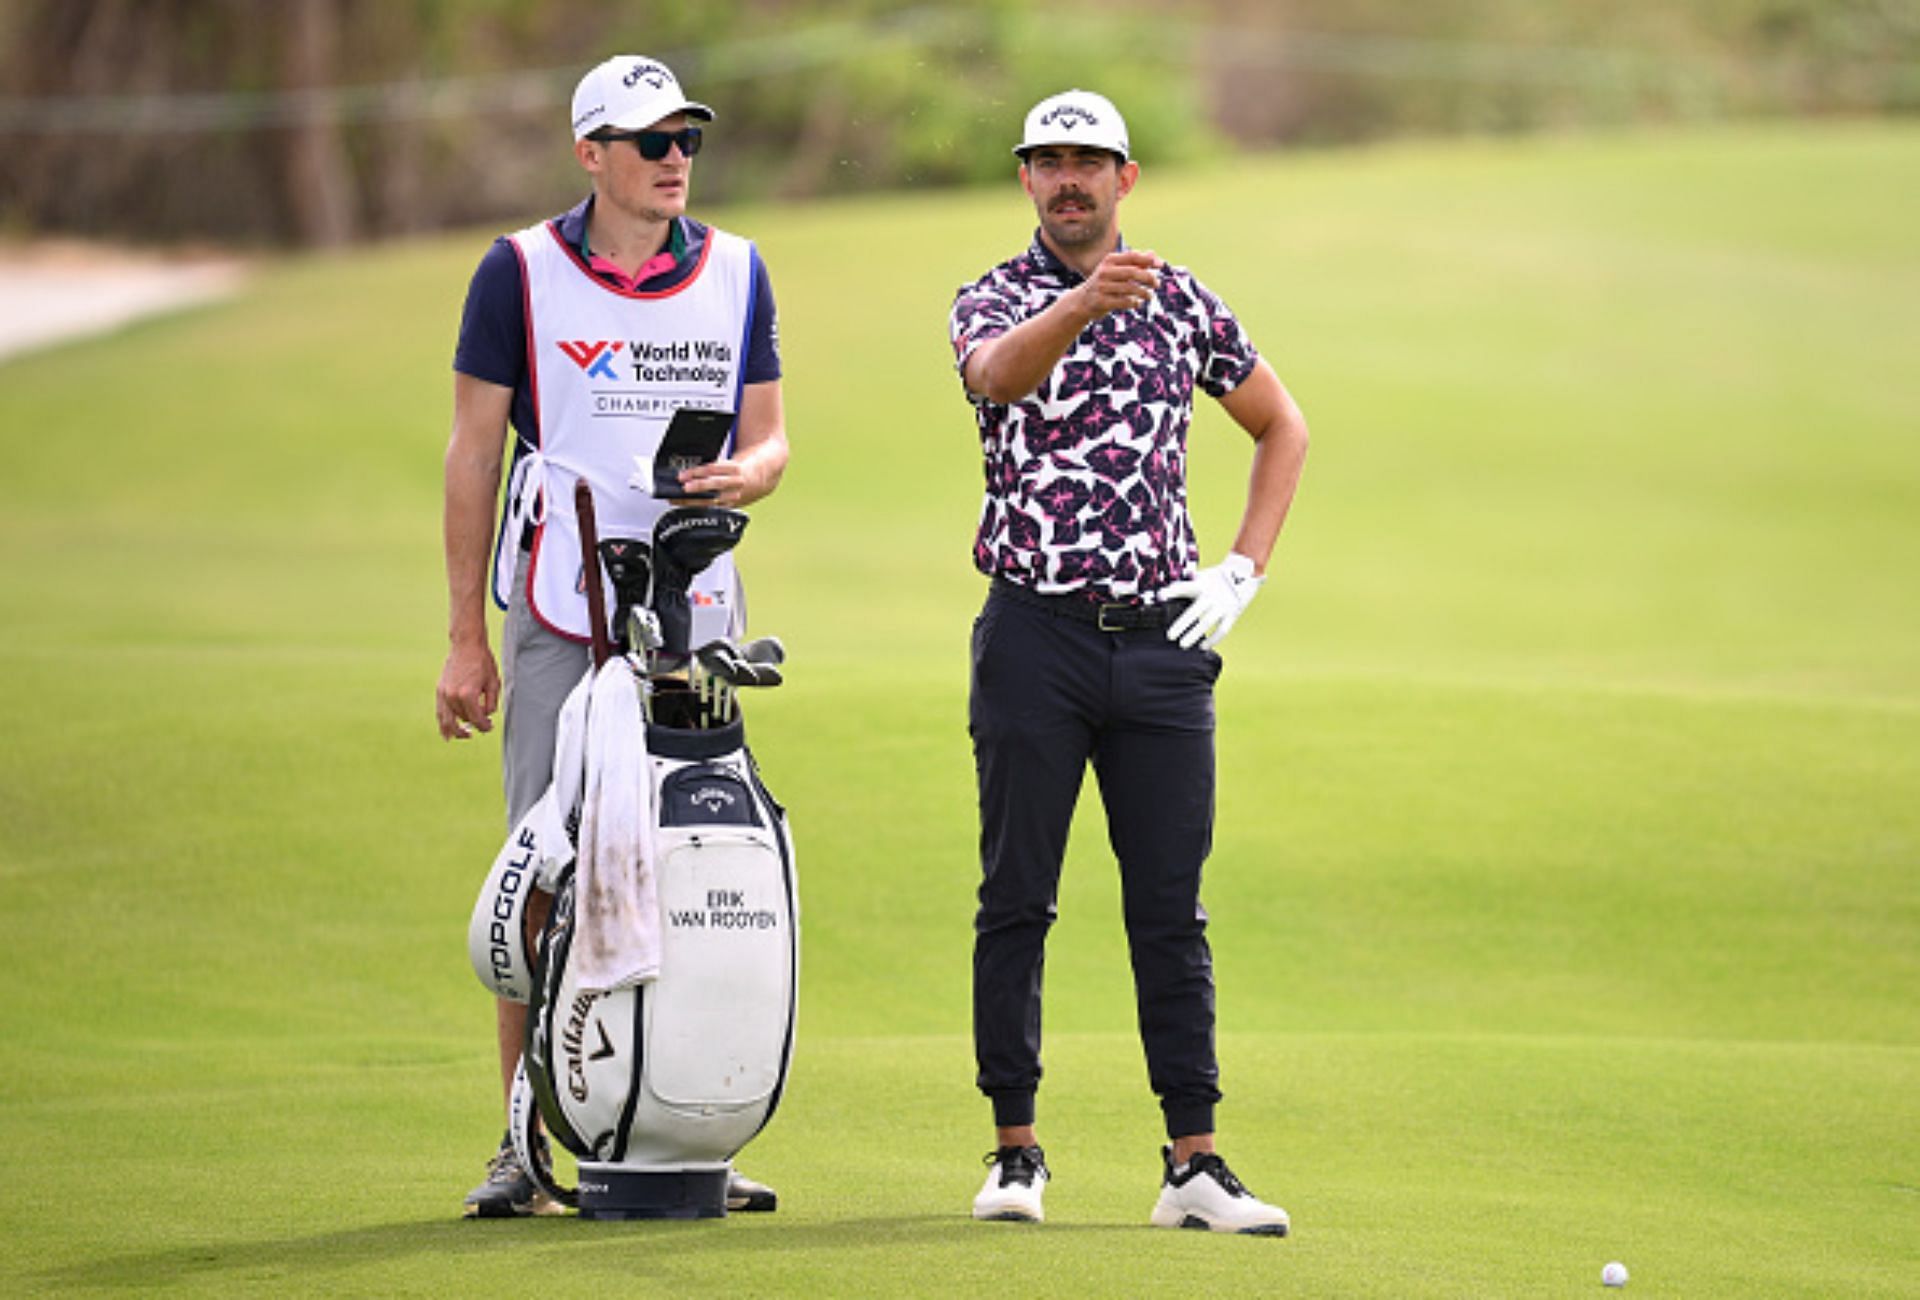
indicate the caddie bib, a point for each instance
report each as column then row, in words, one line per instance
column 609, row 367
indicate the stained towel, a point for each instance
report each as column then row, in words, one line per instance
column 616, row 938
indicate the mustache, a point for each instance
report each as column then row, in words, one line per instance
column 1069, row 196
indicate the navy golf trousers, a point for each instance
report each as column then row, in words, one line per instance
column 1050, row 693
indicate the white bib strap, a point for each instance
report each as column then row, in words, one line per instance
column 527, row 499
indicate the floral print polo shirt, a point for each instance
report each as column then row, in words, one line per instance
column 1086, row 477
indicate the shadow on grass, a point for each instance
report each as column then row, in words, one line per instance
column 452, row 1241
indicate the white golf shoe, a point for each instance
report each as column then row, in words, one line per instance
column 1016, row 1178
column 1205, row 1194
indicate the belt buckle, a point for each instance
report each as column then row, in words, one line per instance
column 1100, row 618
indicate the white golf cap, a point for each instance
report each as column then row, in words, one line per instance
column 1075, row 117
column 628, row 93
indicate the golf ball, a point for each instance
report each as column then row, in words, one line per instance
column 1614, row 1274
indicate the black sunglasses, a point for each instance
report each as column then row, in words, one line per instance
column 653, row 145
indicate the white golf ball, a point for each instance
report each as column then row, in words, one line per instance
column 1614, row 1274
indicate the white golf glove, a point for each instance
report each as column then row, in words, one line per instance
column 1219, row 595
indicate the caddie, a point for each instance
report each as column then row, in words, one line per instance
column 1097, row 639
column 582, row 334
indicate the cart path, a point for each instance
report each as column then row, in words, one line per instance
column 58, row 291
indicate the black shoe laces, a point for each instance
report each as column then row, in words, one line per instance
column 1210, row 1163
column 1017, row 1164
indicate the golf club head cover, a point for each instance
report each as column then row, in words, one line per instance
column 628, row 562
column 686, row 539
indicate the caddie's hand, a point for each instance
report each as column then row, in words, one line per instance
column 726, row 479
column 1124, row 280
column 468, row 693
column 1219, row 595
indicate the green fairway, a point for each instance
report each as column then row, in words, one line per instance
column 1565, row 896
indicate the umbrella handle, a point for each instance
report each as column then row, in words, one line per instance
column 590, row 573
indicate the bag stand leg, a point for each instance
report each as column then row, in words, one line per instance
column 523, row 1114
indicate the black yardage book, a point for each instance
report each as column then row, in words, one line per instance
column 692, row 438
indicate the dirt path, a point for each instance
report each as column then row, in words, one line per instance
column 58, row 291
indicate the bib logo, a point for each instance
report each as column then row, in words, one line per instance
column 645, row 379
column 1069, row 116
column 594, row 358
column 651, row 73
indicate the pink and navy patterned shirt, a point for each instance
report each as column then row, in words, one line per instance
column 1087, row 476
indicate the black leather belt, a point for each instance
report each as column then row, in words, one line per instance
column 1107, row 616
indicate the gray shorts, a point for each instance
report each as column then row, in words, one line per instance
column 539, row 670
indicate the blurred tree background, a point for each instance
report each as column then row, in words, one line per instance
column 322, row 122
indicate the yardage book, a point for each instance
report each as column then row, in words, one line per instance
column 693, row 437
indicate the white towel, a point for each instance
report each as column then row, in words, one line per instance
column 569, row 767
column 616, row 935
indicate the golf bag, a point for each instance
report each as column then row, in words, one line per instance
column 656, row 1079
column 655, row 1086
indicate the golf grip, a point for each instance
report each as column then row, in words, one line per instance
column 590, row 572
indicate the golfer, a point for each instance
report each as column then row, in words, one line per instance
column 584, row 333
column 1097, row 640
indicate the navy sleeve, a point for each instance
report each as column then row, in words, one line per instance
column 763, row 333
column 493, row 325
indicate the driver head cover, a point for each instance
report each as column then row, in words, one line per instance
column 689, row 538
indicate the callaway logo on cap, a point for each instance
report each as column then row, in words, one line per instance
column 629, row 92
column 1075, row 117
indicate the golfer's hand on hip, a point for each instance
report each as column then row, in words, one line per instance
column 1219, row 595
column 468, row 693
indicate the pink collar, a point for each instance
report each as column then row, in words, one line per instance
column 659, row 264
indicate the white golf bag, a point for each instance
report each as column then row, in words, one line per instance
column 656, row 1076
column 654, row 1087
